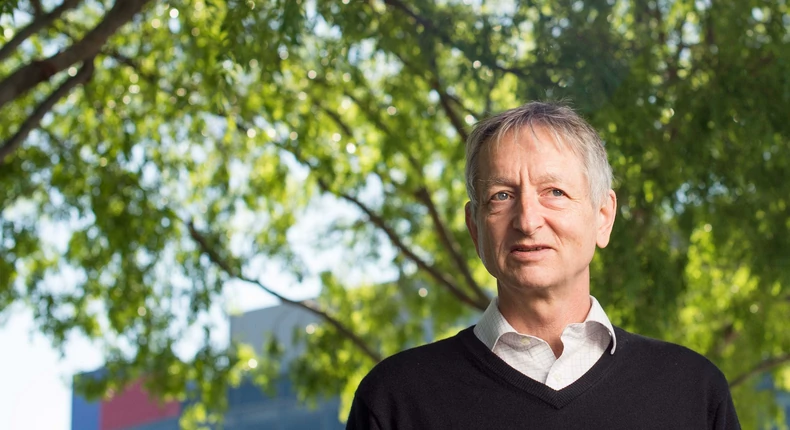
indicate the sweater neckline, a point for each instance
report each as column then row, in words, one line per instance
column 558, row 399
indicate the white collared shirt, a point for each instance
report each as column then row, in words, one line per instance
column 583, row 344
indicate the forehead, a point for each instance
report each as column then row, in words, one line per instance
column 535, row 145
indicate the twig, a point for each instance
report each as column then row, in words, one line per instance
column 336, row 118
column 432, row 28
column 422, row 264
column 761, row 367
column 450, row 112
column 304, row 304
column 450, row 244
column 122, row 59
column 444, row 98
column 368, row 112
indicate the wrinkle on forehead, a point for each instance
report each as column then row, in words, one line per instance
column 513, row 135
column 535, row 130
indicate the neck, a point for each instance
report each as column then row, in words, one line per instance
column 544, row 314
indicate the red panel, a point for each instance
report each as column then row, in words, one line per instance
column 133, row 407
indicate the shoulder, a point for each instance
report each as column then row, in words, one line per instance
column 413, row 367
column 680, row 375
column 423, row 358
column 394, row 394
column 670, row 360
column 643, row 345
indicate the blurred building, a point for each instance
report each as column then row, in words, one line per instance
column 248, row 407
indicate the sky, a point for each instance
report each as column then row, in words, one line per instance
column 35, row 381
column 35, row 392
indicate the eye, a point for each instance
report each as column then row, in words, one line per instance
column 557, row 193
column 500, row 196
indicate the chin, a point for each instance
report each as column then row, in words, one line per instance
column 527, row 283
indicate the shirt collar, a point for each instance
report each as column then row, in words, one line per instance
column 493, row 325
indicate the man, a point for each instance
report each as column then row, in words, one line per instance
column 544, row 354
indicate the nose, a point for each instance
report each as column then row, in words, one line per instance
column 527, row 216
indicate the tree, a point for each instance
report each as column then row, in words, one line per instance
column 204, row 131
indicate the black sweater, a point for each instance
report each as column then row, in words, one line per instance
column 458, row 383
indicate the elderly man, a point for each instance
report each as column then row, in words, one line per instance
column 544, row 354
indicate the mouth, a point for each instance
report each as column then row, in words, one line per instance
column 529, row 248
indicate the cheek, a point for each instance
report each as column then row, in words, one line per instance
column 579, row 228
column 588, row 238
column 490, row 241
column 487, row 243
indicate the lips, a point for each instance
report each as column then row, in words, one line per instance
column 529, row 248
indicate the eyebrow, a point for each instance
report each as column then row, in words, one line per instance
column 499, row 180
column 549, row 177
column 496, row 181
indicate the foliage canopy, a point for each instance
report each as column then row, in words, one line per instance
column 153, row 152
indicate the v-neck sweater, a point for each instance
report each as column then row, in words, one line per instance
column 458, row 383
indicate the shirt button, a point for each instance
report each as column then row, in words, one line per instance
column 525, row 341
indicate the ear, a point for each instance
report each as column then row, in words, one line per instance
column 471, row 225
column 606, row 215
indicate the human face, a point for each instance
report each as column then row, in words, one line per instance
column 536, row 227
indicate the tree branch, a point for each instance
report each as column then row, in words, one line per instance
column 424, row 196
column 468, row 110
column 347, row 130
column 368, row 112
column 444, row 98
column 307, row 305
column 398, row 243
column 27, row 77
column 761, row 367
column 122, row 59
column 455, row 120
column 432, row 28
column 38, row 10
column 726, row 338
column 336, row 118
column 449, row 243
column 34, row 119
column 40, row 22
column 480, row 304
column 489, row 100
column 481, row 301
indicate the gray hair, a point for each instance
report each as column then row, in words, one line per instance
column 567, row 128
